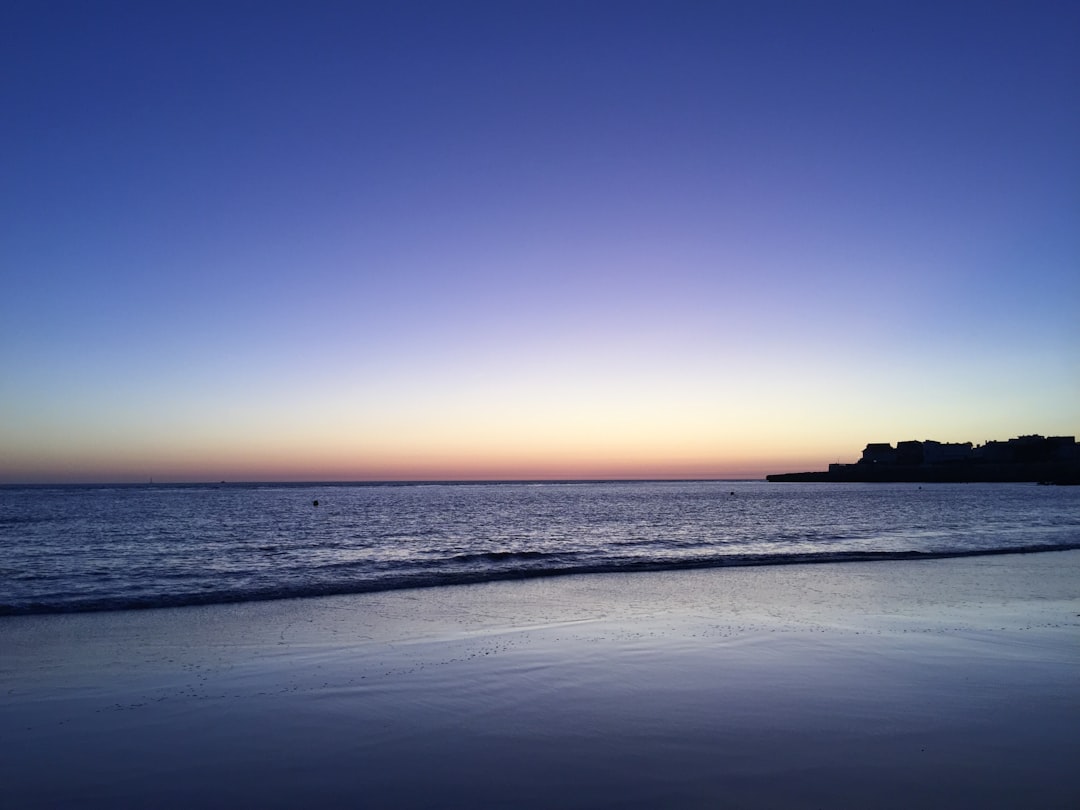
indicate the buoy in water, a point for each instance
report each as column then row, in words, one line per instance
column 314, row 503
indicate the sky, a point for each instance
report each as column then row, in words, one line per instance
column 470, row 240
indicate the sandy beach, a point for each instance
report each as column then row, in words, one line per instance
column 943, row 683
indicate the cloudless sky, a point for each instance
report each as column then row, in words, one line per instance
column 346, row 240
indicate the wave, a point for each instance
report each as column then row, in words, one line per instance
column 445, row 578
column 502, row 556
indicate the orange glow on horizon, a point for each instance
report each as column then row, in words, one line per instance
column 277, row 466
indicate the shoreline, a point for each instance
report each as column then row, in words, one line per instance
column 836, row 684
column 425, row 582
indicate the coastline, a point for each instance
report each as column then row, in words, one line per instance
column 1024, row 459
column 1057, row 474
column 856, row 684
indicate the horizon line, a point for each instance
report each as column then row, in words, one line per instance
column 379, row 481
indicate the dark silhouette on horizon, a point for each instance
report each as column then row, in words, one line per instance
column 1032, row 458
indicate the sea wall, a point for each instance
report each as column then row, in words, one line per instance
column 1048, row 472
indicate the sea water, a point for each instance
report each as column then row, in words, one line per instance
column 78, row 548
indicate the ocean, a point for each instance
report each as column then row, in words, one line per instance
column 86, row 548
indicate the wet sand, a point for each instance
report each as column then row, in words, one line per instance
column 924, row 683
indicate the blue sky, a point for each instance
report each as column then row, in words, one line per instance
column 531, row 239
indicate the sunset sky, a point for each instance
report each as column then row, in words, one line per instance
column 415, row 240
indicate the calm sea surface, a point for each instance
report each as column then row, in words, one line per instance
column 75, row 548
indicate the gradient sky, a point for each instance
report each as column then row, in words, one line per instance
column 345, row 240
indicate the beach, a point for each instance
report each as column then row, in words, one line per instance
column 948, row 682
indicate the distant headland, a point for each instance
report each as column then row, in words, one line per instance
column 1042, row 459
